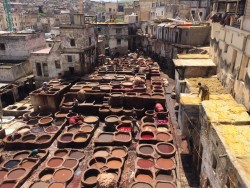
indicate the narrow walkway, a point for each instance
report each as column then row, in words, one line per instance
column 187, row 176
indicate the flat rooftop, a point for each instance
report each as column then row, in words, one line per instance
column 212, row 83
column 194, row 63
column 225, row 111
column 193, row 56
column 192, row 99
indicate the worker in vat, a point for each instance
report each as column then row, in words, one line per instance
column 135, row 125
column 45, row 87
column 74, row 105
column 34, row 152
column 204, row 90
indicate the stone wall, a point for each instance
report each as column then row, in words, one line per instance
column 230, row 50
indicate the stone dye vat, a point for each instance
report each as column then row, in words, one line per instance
column 35, row 136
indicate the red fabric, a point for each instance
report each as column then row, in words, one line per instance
column 75, row 119
column 159, row 107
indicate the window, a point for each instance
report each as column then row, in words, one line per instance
column 89, row 41
column 57, row 64
column 45, row 70
column 2, row 46
column 72, row 42
column 118, row 30
column 50, row 45
column 110, row 9
column 99, row 29
column 70, row 59
column 38, row 69
column 153, row 4
column 118, row 41
column 201, row 13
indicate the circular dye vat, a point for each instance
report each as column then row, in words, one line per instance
column 70, row 163
column 63, row 175
column 3, row 172
column 29, row 137
column 101, row 153
column 55, row 162
column 141, row 185
column 61, row 115
column 11, row 163
column 23, row 130
column 144, row 177
column 147, row 136
column 80, row 137
column 37, row 129
column 43, row 138
column 124, row 128
column 73, row 128
column 165, row 148
column 114, row 163
column 118, row 153
column 162, row 129
column 60, row 153
column 105, row 137
column 163, row 137
column 146, row 149
column 164, row 185
column 90, row 176
column 87, row 128
column 28, row 164
column 111, row 119
column 66, row 137
column 145, row 163
column 21, row 155
column 151, row 128
column 45, row 120
column 16, row 173
column 39, row 185
column 51, row 129
column 90, row 119
column 122, row 137
column 8, row 185
column 76, row 154
column 98, row 162
column 46, row 177
column 127, row 119
column 57, row 185
column 166, row 164
column 164, row 176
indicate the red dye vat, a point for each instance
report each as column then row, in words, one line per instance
column 125, row 129
column 164, row 121
column 147, row 136
column 145, row 163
